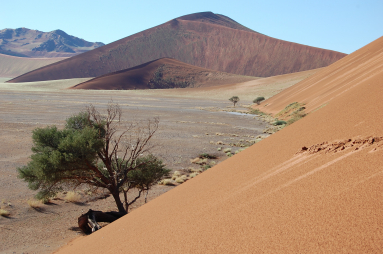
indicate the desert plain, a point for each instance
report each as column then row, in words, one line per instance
column 189, row 122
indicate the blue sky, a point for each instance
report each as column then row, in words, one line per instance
column 339, row 25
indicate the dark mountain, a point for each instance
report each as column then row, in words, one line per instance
column 205, row 39
column 25, row 42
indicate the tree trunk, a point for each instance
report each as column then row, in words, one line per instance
column 120, row 205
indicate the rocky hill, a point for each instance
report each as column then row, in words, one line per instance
column 24, row 42
column 205, row 39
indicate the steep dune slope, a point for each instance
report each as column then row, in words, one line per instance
column 206, row 40
column 12, row 66
column 162, row 73
column 331, row 82
column 281, row 195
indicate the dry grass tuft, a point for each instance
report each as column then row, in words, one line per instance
column 169, row 182
column 34, row 203
column 4, row 213
column 73, row 197
column 192, row 175
column 195, row 170
column 175, row 175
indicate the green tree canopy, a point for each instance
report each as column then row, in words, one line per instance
column 234, row 99
column 258, row 100
column 97, row 150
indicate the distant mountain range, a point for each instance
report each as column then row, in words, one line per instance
column 206, row 40
column 24, row 42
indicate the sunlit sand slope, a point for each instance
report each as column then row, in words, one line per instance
column 331, row 82
column 314, row 187
column 12, row 66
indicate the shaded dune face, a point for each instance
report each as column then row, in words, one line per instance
column 181, row 75
column 208, row 41
column 283, row 194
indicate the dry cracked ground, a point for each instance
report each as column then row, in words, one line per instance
column 188, row 127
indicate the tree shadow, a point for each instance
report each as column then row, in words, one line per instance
column 76, row 229
column 80, row 203
column 9, row 217
column 43, row 210
column 50, row 204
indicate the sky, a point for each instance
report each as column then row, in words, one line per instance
column 340, row 25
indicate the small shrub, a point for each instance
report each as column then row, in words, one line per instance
column 195, row 160
column 192, row 175
column 207, row 156
column 195, row 170
column 229, row 154
column 168, row 182
column 227, row 150
column 177, row 173
column 180, row 180
column 295, row 117
column 199, row 161
column 279, row 122
column 258, row 100
column 219, row 148
column 290, row 110
column 257, row 112
column 205, row 167
column 4, row 213
column 73, row 197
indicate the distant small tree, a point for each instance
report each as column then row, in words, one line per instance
column 234, row 99
column 258, row 100
column 97, row 150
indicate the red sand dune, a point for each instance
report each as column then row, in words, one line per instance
column 138, row 77
column 276, row 197
column 329, row 83
column 205, row 39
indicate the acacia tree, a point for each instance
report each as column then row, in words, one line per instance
column 99, row 150
column 234, row 99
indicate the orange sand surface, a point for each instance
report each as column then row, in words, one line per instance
column 314, row 187
column 331, row 82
